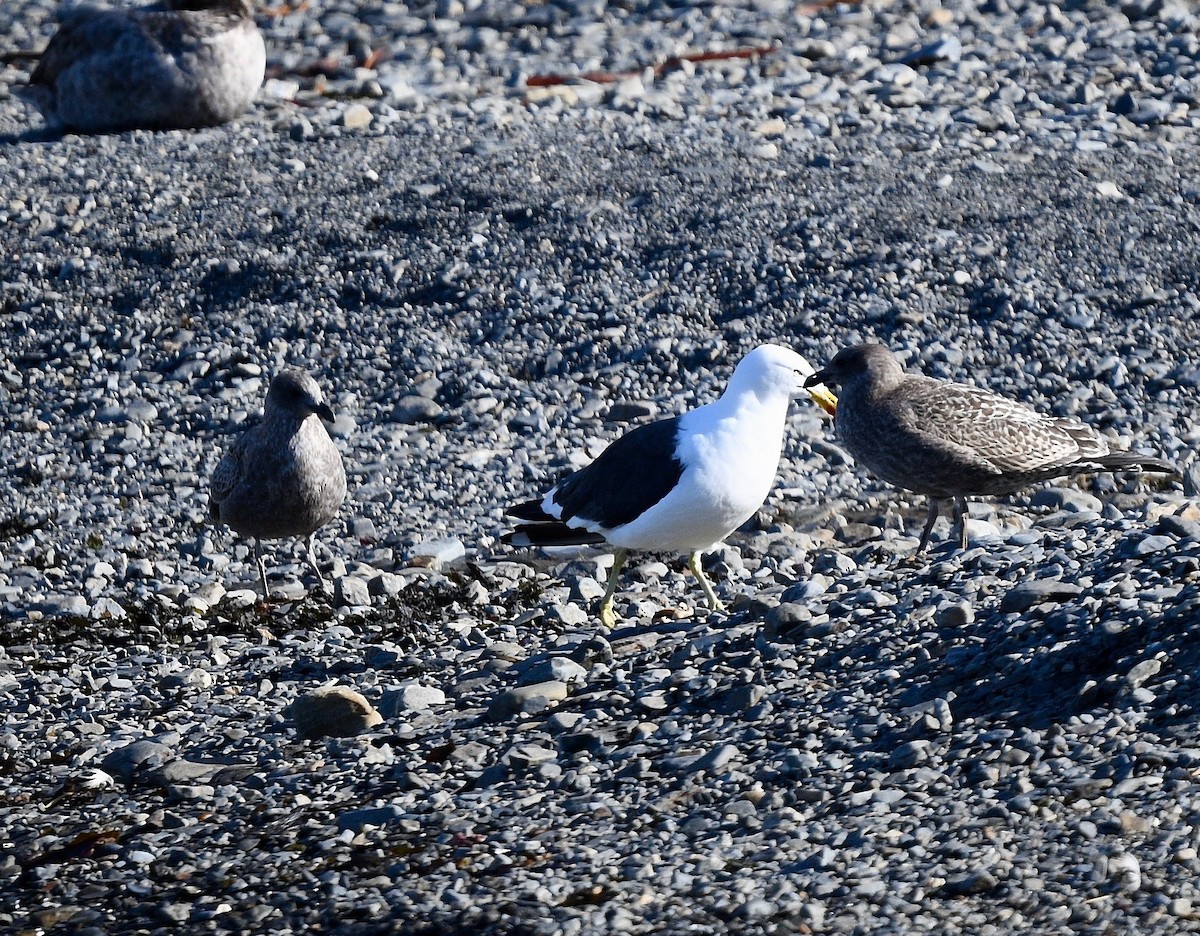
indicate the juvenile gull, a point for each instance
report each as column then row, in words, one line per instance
column 283, row 477
column 950, row 441
column 179, row 63
column 681, row 484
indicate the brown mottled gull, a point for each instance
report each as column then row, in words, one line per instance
column 950, row 441
column 284, row 477
column 176, row 64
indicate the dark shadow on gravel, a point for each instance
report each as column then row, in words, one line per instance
column 1077, row 663
column 225, row 288
column 34, row 135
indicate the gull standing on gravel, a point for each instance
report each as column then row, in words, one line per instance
column 681, row 484
column 176, row 64
column 950, row 441
column 284, row 477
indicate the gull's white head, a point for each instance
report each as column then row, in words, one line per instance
column 772, row 370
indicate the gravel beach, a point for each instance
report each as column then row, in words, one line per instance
column 493, row 269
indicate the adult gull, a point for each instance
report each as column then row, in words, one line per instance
column 681, row 484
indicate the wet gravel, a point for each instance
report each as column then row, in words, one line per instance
column 491, row 274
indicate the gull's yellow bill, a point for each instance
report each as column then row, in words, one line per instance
column 825, row 398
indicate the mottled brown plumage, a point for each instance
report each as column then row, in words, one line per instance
column 283, row 477
column 177, row 64
column 950, row 441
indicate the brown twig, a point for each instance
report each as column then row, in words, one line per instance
column 605, row 77
column 331, row 66
column 285, row 9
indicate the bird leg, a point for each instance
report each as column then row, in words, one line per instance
column 960, row 520
column 607, row 618
column 713, row 601
column 312, row 559
column 262, row 568
column 934, row 504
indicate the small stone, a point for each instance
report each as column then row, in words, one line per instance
column 910, row 754
column 332, row 711
column 1124, row 873
column 527, row 700
column 595, row 650
column 970, row 884
column 350, row 591
column 1072, row 499
column 439, row 553
column 947, row 49
column 356, row 117
column 895, row 74
column 1022, row 597
column 524, row 756
column 740, row 699
column 959, row 614
column 568, row 613
column 416, row 409
column 126, row 762
column 1142, row 672
column 356, row 819
column 715, row 760
column 191, row 679
column 561, row 669
column 386, row 585
column 1154, row 543
column 787, row 618
column 410, row 696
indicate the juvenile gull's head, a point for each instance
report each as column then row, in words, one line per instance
column 864, row 365
column 294, row 393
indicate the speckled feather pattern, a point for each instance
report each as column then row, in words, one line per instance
column 284, row 477
column 187, row 64
column 947, row 439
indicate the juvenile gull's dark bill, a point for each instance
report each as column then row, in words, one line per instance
column 681, row 484
column 950, row 441
column 176, row 64
column 283, row 477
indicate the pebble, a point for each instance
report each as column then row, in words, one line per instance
column 349, row 591
column 525, row 700
column 410, row 696
column 356, row 117
column 1027, row 595
column 416, row 409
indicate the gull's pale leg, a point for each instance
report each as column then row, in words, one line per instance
column 607, row 618
column 694, row 565
column 312, row 558
column 262, row 568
